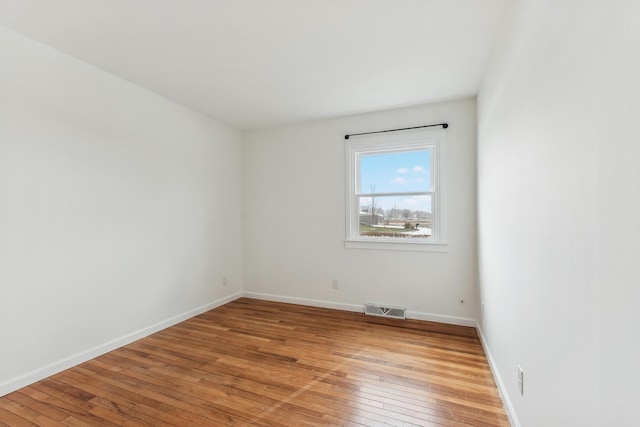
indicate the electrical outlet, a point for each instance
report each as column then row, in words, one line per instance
column 224, row 281
column 520, row 380
column 334, row 284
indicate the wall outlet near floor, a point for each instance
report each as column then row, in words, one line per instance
column 224, row 281
column 334, row 284
column 521, row 380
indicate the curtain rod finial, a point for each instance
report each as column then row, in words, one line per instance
column 346, row 137
column 445, row 125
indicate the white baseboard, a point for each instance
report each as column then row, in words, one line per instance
column 66, row 363
column 451, row 320
column 506, row 402
column 305, row 301
column 440, row 318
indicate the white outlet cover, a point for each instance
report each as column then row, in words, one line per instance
column 520, row 380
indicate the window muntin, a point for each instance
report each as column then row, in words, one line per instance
column 394, row 191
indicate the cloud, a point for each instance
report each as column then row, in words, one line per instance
column 399, row 180
column 419, row 169
column 402, row 170
column 405, row 181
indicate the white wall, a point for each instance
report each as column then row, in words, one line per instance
column 118, row 211
column 618, row 291
column 558, row 210
column 294, row 218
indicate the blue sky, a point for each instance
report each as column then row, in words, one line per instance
column 395, row 172
column 406, row 171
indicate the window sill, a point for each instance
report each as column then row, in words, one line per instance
column 396, row 246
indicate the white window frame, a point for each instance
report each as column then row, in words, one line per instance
column 433, row 140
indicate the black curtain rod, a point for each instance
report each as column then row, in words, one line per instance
column 444, row 126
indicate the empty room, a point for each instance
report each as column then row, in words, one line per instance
column 305, row 212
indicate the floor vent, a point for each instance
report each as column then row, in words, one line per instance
column 385, row 311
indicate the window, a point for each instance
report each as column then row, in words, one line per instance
column 395, row 197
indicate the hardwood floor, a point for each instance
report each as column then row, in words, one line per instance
column 258, row 363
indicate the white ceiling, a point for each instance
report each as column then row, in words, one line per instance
column 259, row 63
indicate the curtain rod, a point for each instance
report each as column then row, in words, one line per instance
column 444, row 126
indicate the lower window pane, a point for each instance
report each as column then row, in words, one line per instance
column 396, row 216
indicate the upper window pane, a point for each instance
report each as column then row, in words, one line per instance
column 395, row 172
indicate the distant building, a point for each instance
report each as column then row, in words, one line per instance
column 365, row 218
